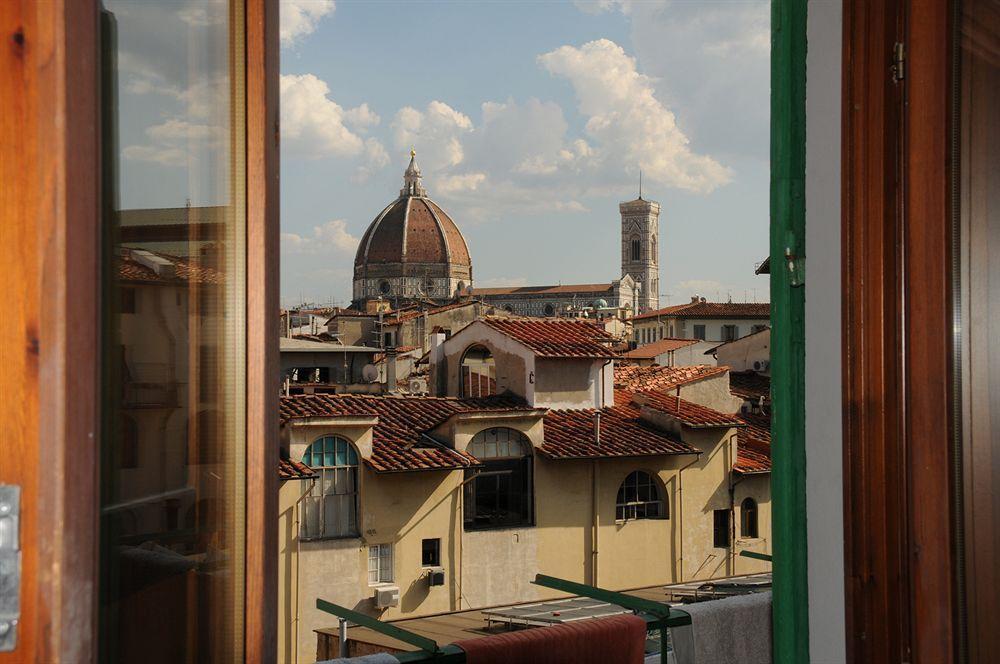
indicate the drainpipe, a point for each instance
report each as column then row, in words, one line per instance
column 298, row 550
column 595, row 479
column 680, row 515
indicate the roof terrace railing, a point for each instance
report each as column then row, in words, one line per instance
column 658, row 616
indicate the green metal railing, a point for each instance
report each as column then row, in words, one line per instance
column 658, row 616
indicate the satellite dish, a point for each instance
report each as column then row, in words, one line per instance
column 370, row 373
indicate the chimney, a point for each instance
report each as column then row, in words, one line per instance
column 597, row 427
column 694, row 299
column 390, row 369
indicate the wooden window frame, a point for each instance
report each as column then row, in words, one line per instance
column 49, row 238
column 897, row 333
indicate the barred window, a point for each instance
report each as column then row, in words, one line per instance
column 639, row 497
column 331, row 509
column 479, row 373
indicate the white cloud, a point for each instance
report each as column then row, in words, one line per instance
column 724, row 80
column 376, row 158
column 314, row 125
column 299, row 18
column 213, row 13
column 627, row 121
column 178, row 142
column 453, row 184
column 331, row 237
column 435, row 132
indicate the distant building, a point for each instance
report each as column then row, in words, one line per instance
column 552, row 301
column 412, row 251
column 536, row 446
column 702, row 320
column 749, row 353
column 311, row 367
column 671, row 353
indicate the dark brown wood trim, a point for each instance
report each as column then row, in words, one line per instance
column 928, row 340
column 262, row 330
column 897, row 418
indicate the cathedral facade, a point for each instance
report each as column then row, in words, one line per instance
column 413, row 251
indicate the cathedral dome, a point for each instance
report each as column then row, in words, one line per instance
column 412, row 249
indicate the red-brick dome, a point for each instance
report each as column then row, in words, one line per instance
column 412, row 249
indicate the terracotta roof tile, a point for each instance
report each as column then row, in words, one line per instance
column 649, row 351
column 687, row 412
column 545, row 290
column 569, row 434
column 634, row 378
column 556, row 338
column 412, row 313
column 398, row 441
column 294, row 470
column 753, row 450
column 711, row 310
column 185, row 271
column 750, row 385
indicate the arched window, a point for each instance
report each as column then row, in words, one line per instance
column 639, row 497
column 748, row 518
column 636, row 249
column 652, row 251
column 479, row 373
column 384, row 287
column 500, row 494
column 331, row 509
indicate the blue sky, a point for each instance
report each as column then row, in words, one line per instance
column 531, row 121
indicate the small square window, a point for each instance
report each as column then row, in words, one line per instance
column 430, row 555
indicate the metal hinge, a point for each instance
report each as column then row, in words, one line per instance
column 10, row 565
column 898, row 69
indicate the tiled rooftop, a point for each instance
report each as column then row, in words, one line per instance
column 407, row 314
column 633, row 378
column 650, row 351
column 688, row 413
column 554, row 338
column 749, row 385
column 711, row 310
column 753, row 444
column 294, row 470
column 569, row 434
column 545, row 290
column 183, row 271
column 398, row 443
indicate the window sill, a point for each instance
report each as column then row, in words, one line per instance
column 478, row 529
column 329, row 538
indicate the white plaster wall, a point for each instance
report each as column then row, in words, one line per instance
column 824, row 442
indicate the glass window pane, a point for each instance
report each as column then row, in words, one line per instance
column 173, row 234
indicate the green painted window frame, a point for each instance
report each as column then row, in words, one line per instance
column 787, row 240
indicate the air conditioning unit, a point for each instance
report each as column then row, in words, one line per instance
column 385, row 596
column 761, row 365
column 435, row 576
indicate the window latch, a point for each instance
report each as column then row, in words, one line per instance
column 10, row 565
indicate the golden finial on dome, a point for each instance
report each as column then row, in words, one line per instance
column 413, row 153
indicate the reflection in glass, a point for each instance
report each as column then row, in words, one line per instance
column 172, row 490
